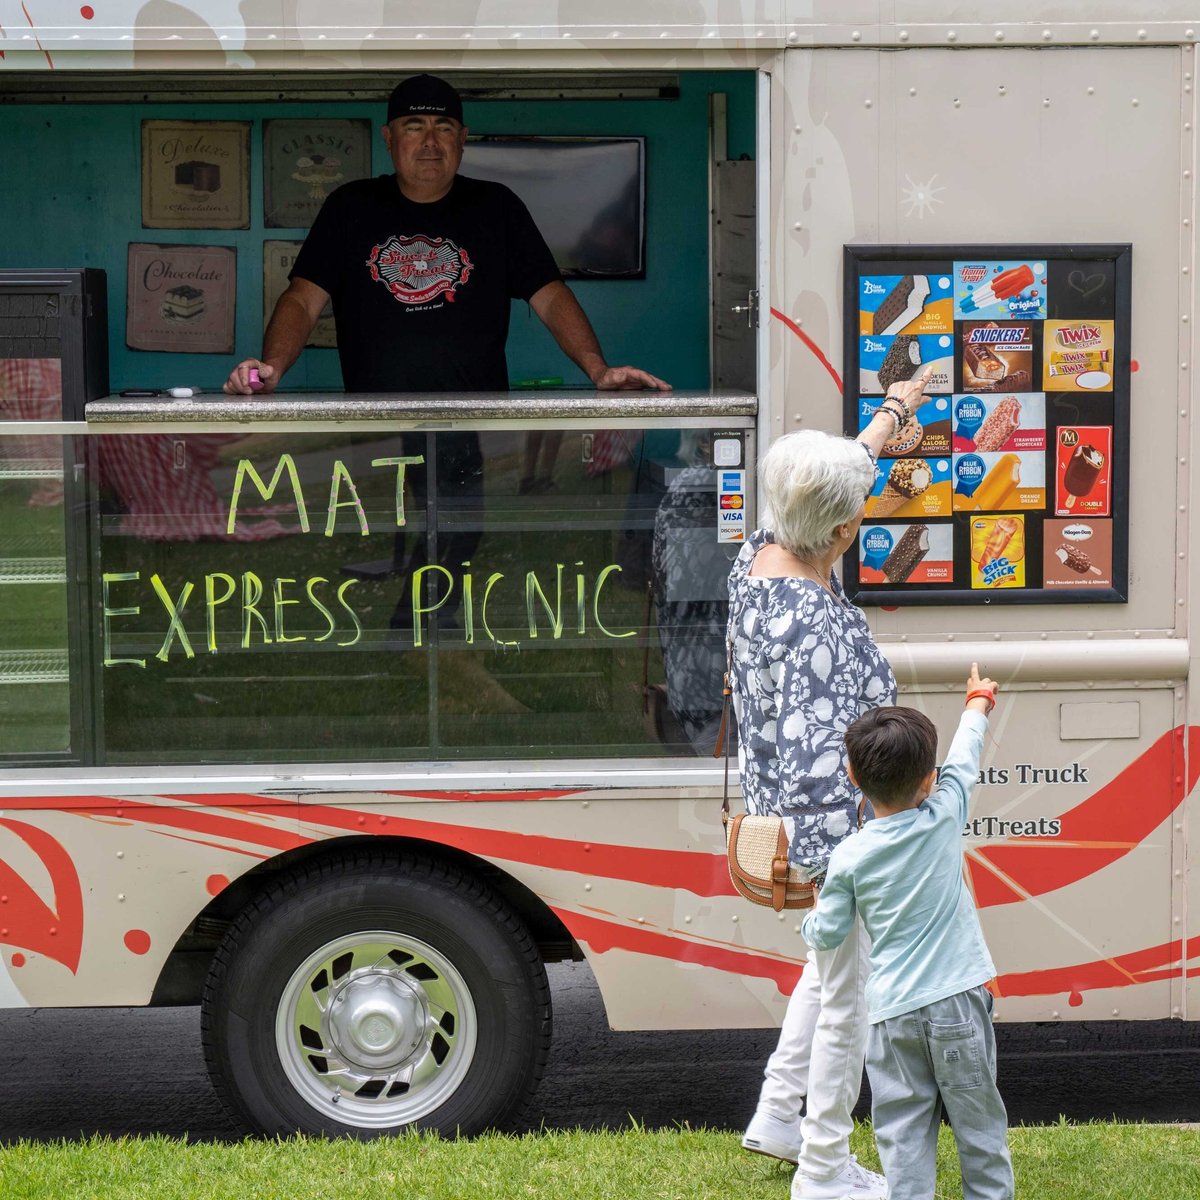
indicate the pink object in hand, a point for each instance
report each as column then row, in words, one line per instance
column 256, row 384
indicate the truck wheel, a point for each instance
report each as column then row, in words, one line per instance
column 375, row 992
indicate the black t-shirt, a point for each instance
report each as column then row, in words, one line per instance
column 421, row 292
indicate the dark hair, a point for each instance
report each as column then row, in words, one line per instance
column 890, row 751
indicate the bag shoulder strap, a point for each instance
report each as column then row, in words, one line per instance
column 722, row 746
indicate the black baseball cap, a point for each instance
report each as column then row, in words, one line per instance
column 424, row 96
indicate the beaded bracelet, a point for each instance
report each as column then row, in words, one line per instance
column 898, row 421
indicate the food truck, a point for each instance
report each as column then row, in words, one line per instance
column 344, row 747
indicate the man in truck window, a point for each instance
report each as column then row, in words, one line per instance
column 421, row 267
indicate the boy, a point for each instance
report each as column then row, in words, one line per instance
column 931, row 1043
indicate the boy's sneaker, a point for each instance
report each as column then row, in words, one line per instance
column 767, row 1134
column 852, row 1183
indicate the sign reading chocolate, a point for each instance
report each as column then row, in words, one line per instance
column 239, row 608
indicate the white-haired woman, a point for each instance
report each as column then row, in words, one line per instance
column 804, row 667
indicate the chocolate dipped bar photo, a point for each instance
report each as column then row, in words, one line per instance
column 901, row 361
column 909, row 551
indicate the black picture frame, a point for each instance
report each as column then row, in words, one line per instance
column 548, row 175
column 1111, row 300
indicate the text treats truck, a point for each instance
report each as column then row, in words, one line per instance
column 345, row 752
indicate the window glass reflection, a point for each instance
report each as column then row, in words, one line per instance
column 325, row 597
column 35, row 715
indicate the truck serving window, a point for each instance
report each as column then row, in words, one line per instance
column 325, row 596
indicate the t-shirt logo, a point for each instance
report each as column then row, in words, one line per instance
column 419, row 269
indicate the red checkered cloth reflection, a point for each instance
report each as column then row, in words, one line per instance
column 31, row 390
column 611, row 448
column 164, row 482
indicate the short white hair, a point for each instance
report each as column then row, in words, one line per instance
column 812, row 483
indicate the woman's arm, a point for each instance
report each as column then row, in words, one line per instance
column 901, row 401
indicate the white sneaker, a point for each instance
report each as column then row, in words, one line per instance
column 852, row 1183
column 767, row 1134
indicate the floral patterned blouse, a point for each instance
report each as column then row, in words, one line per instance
column 804, row 668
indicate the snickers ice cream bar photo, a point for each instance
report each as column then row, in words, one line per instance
column 883, row 361
column 915, row 304
column 997, row 356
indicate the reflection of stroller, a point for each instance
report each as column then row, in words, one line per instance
column 691, row 571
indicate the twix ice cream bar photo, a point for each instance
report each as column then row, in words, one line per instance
column 1077, row 356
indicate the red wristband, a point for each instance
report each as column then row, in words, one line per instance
column 983, row 694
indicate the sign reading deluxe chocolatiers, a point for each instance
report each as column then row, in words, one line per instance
column 196, row 174
column 181, row 298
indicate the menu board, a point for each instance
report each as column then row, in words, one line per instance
column 1010, row 485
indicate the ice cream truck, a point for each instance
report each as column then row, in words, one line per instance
column 345, row 753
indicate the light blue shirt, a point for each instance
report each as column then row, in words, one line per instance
column 903, row 876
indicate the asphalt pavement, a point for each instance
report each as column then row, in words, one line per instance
column 73, row 1072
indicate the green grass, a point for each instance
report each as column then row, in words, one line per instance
column 1061, row 1162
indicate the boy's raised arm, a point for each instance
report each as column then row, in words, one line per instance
column 960, row 771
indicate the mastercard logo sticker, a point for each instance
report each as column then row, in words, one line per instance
column 732, row 501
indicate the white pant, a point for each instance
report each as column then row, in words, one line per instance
column 821, row 1050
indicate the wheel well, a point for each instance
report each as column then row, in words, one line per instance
column 182, row 976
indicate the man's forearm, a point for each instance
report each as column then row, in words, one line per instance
column 561, row 313
column 287, row 332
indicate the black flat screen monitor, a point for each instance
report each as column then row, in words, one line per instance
column 587, row 195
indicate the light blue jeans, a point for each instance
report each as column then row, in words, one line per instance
column 940, row 1057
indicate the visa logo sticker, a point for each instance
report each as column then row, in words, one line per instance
column 731, row 525
column 733, row 481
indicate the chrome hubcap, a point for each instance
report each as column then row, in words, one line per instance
column 376, row 1029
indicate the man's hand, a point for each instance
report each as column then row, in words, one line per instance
column 616, row 379
column 238, row 383
column 981, row 693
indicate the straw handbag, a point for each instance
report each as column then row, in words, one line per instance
column 758, row 846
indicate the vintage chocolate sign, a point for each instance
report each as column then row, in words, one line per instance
column 181, row 298
column 303, row 161
column 278, row 259
column 196, row 174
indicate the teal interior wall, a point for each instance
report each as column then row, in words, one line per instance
column 70, row 196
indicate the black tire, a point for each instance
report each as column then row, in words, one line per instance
column 449, row 929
